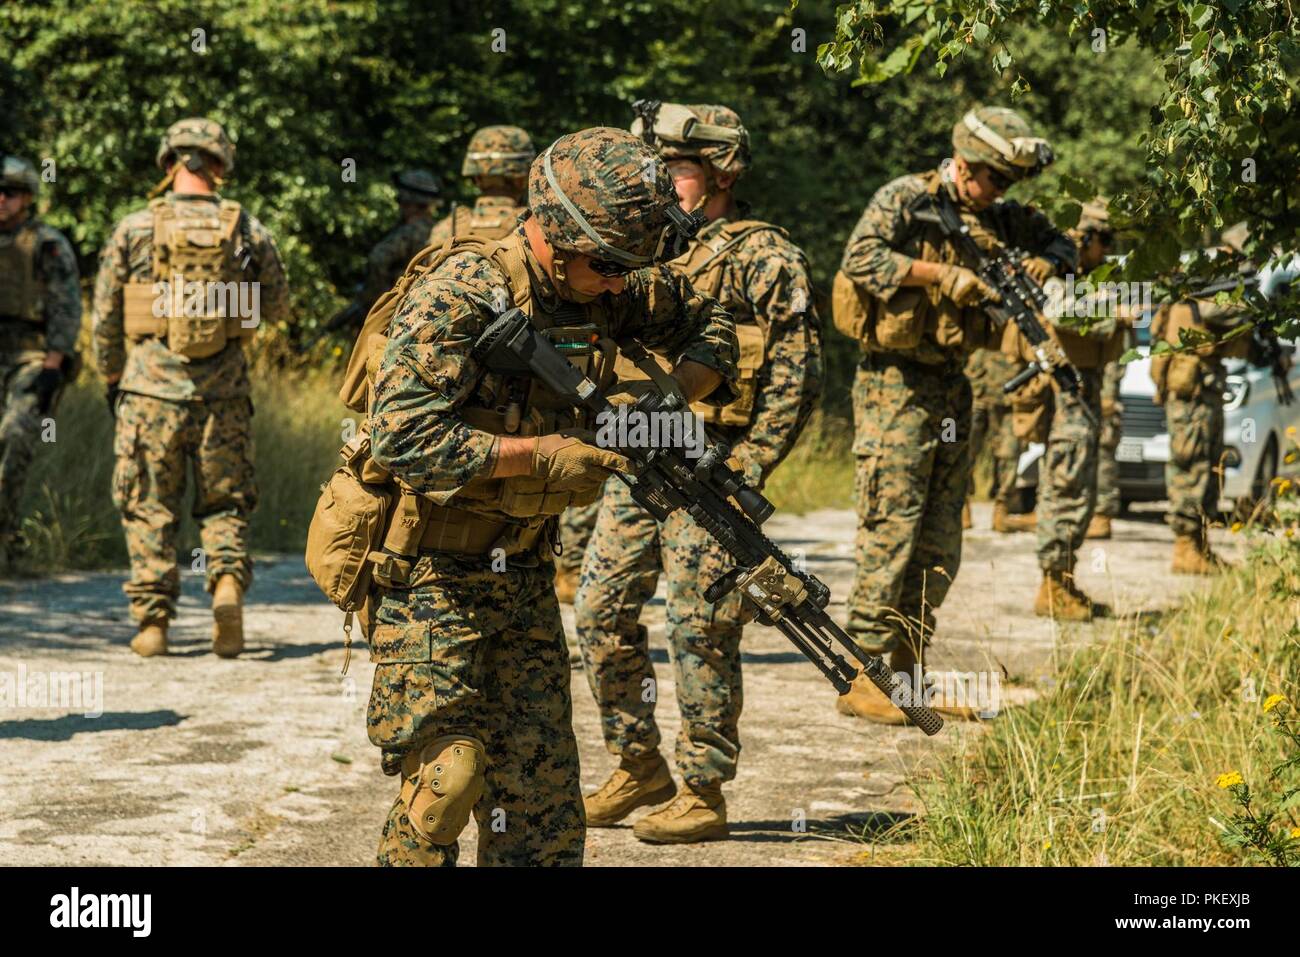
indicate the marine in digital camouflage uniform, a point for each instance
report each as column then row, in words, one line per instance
column 1067, row 484
column 40, row 317
column 497, row 162
column 762, row 280
column 471, row 702
column 175, row 411
column 417, row 191
column 912, row 400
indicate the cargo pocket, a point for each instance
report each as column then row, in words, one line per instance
column 401, row 644
column 1190, row 441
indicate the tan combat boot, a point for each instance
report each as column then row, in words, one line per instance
column 151, row 639
column 636, row 782
column 1060, row 598
column 698, row 814
column 1099, row 527
column 566, row 584
column 1005, row 522
column 1191, row 557
column 865, row 700
column 228, row 617
column 965, row 516
column 904, row 661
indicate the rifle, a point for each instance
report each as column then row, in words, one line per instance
column 1271, row 352
column 1023, row 300
column 351, row 314
column 664, row 480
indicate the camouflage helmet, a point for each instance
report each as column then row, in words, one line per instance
column 498, row 151
column 998, row 137
column 604, row 193
column 196, row 133
column 416, row 186
column 17, row 173
column 706, row 132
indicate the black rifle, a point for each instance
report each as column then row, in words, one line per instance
column 1270, row 351
column 1023, row 299
column 665, row 480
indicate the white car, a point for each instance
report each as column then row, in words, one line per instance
column 1255, row 423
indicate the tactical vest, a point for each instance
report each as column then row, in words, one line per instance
column 704, row 265
column 484, row 221
column 510, row 514
column 916, row 319
column 1182, row 374
column 199, row 244
column 21, row 291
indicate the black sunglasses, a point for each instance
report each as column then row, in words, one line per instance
column 7, row 191
column 610, row 270
column 999, row 180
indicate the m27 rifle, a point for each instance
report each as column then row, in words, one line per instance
column 1268, row 349
column 1023, row 300
column 664, row 480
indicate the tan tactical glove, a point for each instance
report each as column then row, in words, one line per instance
column 627, row 393
column 569, row 461
column 1040, row 270
column 964, row 288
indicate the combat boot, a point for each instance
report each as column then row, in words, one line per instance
column 1098, row 527
column 865, row 700
column 1193, row 557
column 228, row 617
column 1005, row 522
column 965, row 516
column 698, row 814
column 566, row 584
column 1060, row 598
column 636, row 782
column 151, row 639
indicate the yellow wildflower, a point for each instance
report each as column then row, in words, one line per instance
column 1047, row 844
column 1228, row 780
column 1295, row 832
column 1290, row 430
column 1272, row 701
column 1236, row 527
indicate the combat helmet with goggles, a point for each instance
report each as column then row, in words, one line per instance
column 706, row 132
column 1000, row 139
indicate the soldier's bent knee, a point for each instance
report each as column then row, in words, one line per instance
column 441, row 784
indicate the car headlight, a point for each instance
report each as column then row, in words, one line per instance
column 1236, row 393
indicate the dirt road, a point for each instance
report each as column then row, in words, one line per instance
column 264, row 760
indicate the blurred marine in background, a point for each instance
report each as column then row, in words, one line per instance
column 497, row 160
column 182, row 287
column 1069, row 426
column 40, row 317
column 915, row 310
column 762, row 280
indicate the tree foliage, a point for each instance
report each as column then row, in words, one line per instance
column 306, row 84
column 1222, row 143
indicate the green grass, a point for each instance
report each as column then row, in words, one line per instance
column 1119, row 764
column 818, row 472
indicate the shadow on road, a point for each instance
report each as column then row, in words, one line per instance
column 63, row 728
